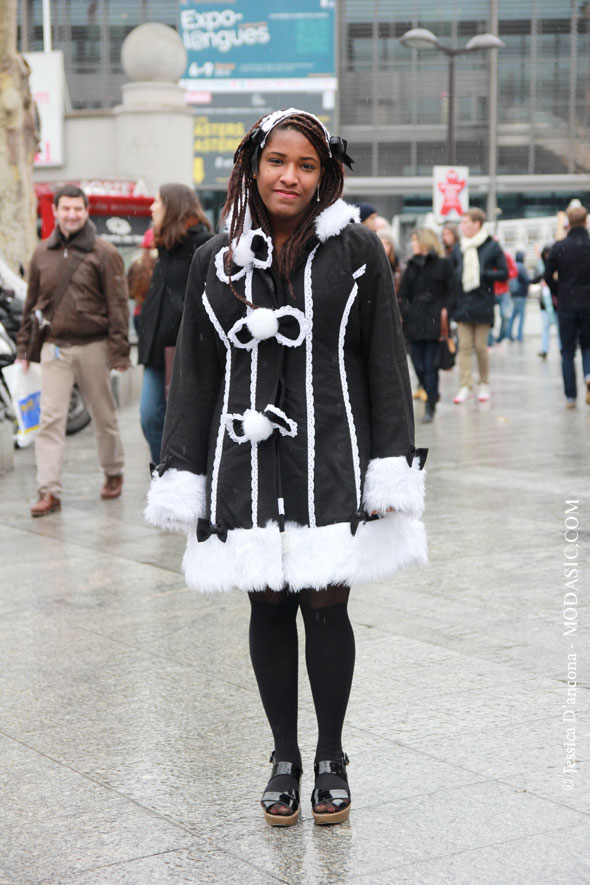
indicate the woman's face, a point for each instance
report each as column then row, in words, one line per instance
column 415, row 245
column 288, row 176
column 448, row 237
column 158, row 210
column 388, row 248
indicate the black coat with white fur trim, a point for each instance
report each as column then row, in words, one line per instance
column 294, row 416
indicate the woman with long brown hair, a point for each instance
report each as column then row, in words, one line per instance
column 288, row 455
column 180, row 227
column 427, row 285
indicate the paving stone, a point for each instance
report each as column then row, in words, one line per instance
column 133, row 747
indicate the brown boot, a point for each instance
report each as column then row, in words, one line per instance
column 47, row 503
column 113, row 486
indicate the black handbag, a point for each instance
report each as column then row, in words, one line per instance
column 447, row 349
column 40, row 325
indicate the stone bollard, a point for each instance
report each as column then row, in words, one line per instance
column 6, row 445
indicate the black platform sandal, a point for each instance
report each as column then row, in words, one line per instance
column 339, row 798
column 287, row 798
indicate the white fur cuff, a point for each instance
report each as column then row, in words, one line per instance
column 390, row 483
column 176, row 500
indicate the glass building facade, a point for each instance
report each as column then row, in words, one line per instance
column 393, row 101
column 90, row 34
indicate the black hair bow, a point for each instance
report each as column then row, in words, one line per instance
column 338, row 150
column 256, row 137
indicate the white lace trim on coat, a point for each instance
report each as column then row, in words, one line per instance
column 309, row 398
column 221, row 431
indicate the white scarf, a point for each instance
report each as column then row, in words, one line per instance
column 469, row 245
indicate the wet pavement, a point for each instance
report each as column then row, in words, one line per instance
column 133, row 747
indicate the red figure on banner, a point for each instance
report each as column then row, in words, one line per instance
column 450, row 189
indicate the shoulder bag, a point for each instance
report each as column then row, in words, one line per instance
column 447, row 349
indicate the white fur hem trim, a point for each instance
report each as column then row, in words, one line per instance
column 252, row 559
column 389, row 482
column 331, row 554
column 176, row 500
column 334, row 219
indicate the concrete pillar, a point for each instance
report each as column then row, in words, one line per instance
column 154, row 125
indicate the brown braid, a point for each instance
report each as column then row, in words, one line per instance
column 243, row 192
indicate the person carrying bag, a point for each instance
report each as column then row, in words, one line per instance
column 40, row 322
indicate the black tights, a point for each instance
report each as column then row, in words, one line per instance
column 329, row 655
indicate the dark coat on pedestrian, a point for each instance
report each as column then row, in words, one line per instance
column 427, row 285
column 289, row 429
column 523, row 280
column 455, row 256
column 570, row 258
column 95, row 304
column 161, row 312
column 477, row 305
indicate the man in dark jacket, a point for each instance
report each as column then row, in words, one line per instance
column 482, row 263
column 87, row 336
column 570, row 260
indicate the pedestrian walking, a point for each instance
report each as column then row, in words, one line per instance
column 368, row 216
column 451, row 243
column 180, row 227
column 519, row 290
column 482, row 262
column 77, row 285
column 503, row 299
column 288, row 454
column 570, row 260
column 139, row 274
column 427, row 286
column 388, row 241
column 546, row 303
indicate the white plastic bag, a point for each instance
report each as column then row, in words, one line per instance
column 25, row 392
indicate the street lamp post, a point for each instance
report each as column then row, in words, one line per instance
column 421, row 38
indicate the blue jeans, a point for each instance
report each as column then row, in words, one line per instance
column 547, row 319
column 518, row 308
column 505, row 314
column 424, row 359
column 574, row 326
column 152, row 409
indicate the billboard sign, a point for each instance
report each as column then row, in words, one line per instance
column 47, row 82
column 236, row 45
column 450, row 194
column 220, row 126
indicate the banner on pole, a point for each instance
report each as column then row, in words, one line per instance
column 47, row 83
column 450, row 192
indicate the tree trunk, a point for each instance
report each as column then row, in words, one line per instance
column 18, row 146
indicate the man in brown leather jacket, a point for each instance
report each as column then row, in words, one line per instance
column 88, row 336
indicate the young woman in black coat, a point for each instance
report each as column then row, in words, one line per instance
column 288, row 455
column 180, row 227
column 427, row 285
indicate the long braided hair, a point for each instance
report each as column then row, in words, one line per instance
column 243, row 194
